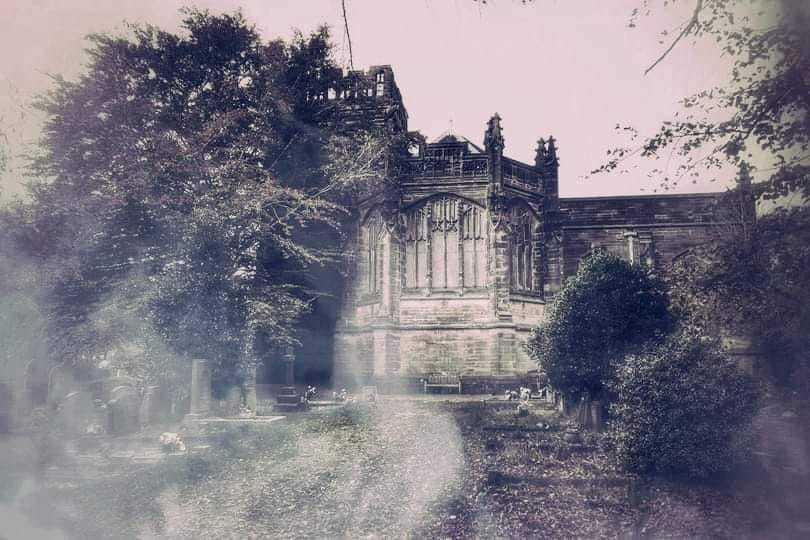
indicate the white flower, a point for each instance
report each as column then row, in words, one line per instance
column 172, row 442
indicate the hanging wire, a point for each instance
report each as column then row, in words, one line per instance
column 348, row 36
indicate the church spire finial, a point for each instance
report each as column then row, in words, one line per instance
column 493, row 138
column 540, row 154
column 551, row 152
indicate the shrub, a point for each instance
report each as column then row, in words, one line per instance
column 607, row 309
column 682, row 409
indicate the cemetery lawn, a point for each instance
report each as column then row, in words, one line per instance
column 403, row 467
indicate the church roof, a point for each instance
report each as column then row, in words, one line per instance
column 449, row 137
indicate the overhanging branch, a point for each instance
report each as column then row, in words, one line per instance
column 693, row 21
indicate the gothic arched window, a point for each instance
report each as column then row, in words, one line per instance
column 445, row 245
column 373, row 247
column 522, row 249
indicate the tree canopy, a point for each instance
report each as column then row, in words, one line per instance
column 183, row 187
column 758, row 115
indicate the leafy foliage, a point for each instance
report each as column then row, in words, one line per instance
column 754, row 285
column 608, row 308
column 760, row 111
column 682, row 409
column 185, row 185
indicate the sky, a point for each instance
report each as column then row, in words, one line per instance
column 568, row 68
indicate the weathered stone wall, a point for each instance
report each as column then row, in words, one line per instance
column 475, row 351
column 647, row 229
column 445, row 309
column 639, row 210
column 651, row 245
column 528, row 311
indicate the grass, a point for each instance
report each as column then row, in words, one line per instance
column 400, row 469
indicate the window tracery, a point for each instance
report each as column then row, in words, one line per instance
column 522, row 222
column 373, row 243
column 445, row 245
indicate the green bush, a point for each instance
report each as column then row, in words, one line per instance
column 607, row 309
column 682, row 409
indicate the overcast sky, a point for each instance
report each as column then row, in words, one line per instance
column 570, row 68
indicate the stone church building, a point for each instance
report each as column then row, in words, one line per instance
column 458, row 261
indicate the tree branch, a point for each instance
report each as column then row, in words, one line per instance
column 688, row 28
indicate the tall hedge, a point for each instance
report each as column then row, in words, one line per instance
column 682, row 409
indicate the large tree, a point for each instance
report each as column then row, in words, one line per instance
column 185, row 184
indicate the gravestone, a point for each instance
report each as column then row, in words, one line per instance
column 200, row 406
column 288, row 398
column 597, row 416
column 123, row 410
column 154, row 406
column 110, row 383
column 77, row 412
column 232, row 403
column 251, row 399
column 60, row 384
column 6, row 406
column 563, row 403
column 35, row 384
column 583, row 413
column 742, row 350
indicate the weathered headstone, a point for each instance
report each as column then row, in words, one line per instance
column 154, row 406
column 288, row 398
column 110, row 383
column 6, row 407
column 563, row 404
column 584, row 413
column 35, row 384
column 232, row 403
column 251, row 399
column 60, row 384
column 123, row 410
column 742, row 350
column 597, row 416
column 77, row 412
column 200, row 406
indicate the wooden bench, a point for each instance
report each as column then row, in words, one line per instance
column 442, row 380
